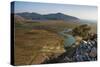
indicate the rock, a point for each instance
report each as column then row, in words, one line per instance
column 84, row 51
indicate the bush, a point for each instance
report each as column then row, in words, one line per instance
column 82, row 30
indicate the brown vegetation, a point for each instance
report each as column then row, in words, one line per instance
column 29, row 43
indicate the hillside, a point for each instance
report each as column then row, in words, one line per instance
column 54, row 16
column 32, row 48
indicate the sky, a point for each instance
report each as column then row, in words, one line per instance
column 79, row 11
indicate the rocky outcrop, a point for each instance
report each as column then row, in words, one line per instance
column 85, row 51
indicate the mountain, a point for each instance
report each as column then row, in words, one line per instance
column 54, row 16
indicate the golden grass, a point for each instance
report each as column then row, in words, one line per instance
column 28, row 46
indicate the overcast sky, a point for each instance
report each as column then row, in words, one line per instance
column 80, row 11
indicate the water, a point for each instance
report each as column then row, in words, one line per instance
column 68, row 39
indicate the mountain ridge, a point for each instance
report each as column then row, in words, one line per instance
column 51, row 16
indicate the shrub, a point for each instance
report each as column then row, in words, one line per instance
column 82, row 30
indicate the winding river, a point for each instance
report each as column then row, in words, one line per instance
column 68, row 39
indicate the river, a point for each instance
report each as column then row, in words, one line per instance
column 68, row 39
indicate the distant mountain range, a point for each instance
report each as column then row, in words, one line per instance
column 54, row 16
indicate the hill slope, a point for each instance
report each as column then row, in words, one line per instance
column 55, row 16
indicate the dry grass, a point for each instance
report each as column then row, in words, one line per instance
column 28, row 44
column 36, row 42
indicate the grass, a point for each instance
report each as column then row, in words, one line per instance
column 31, row 37
column 28, row 44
